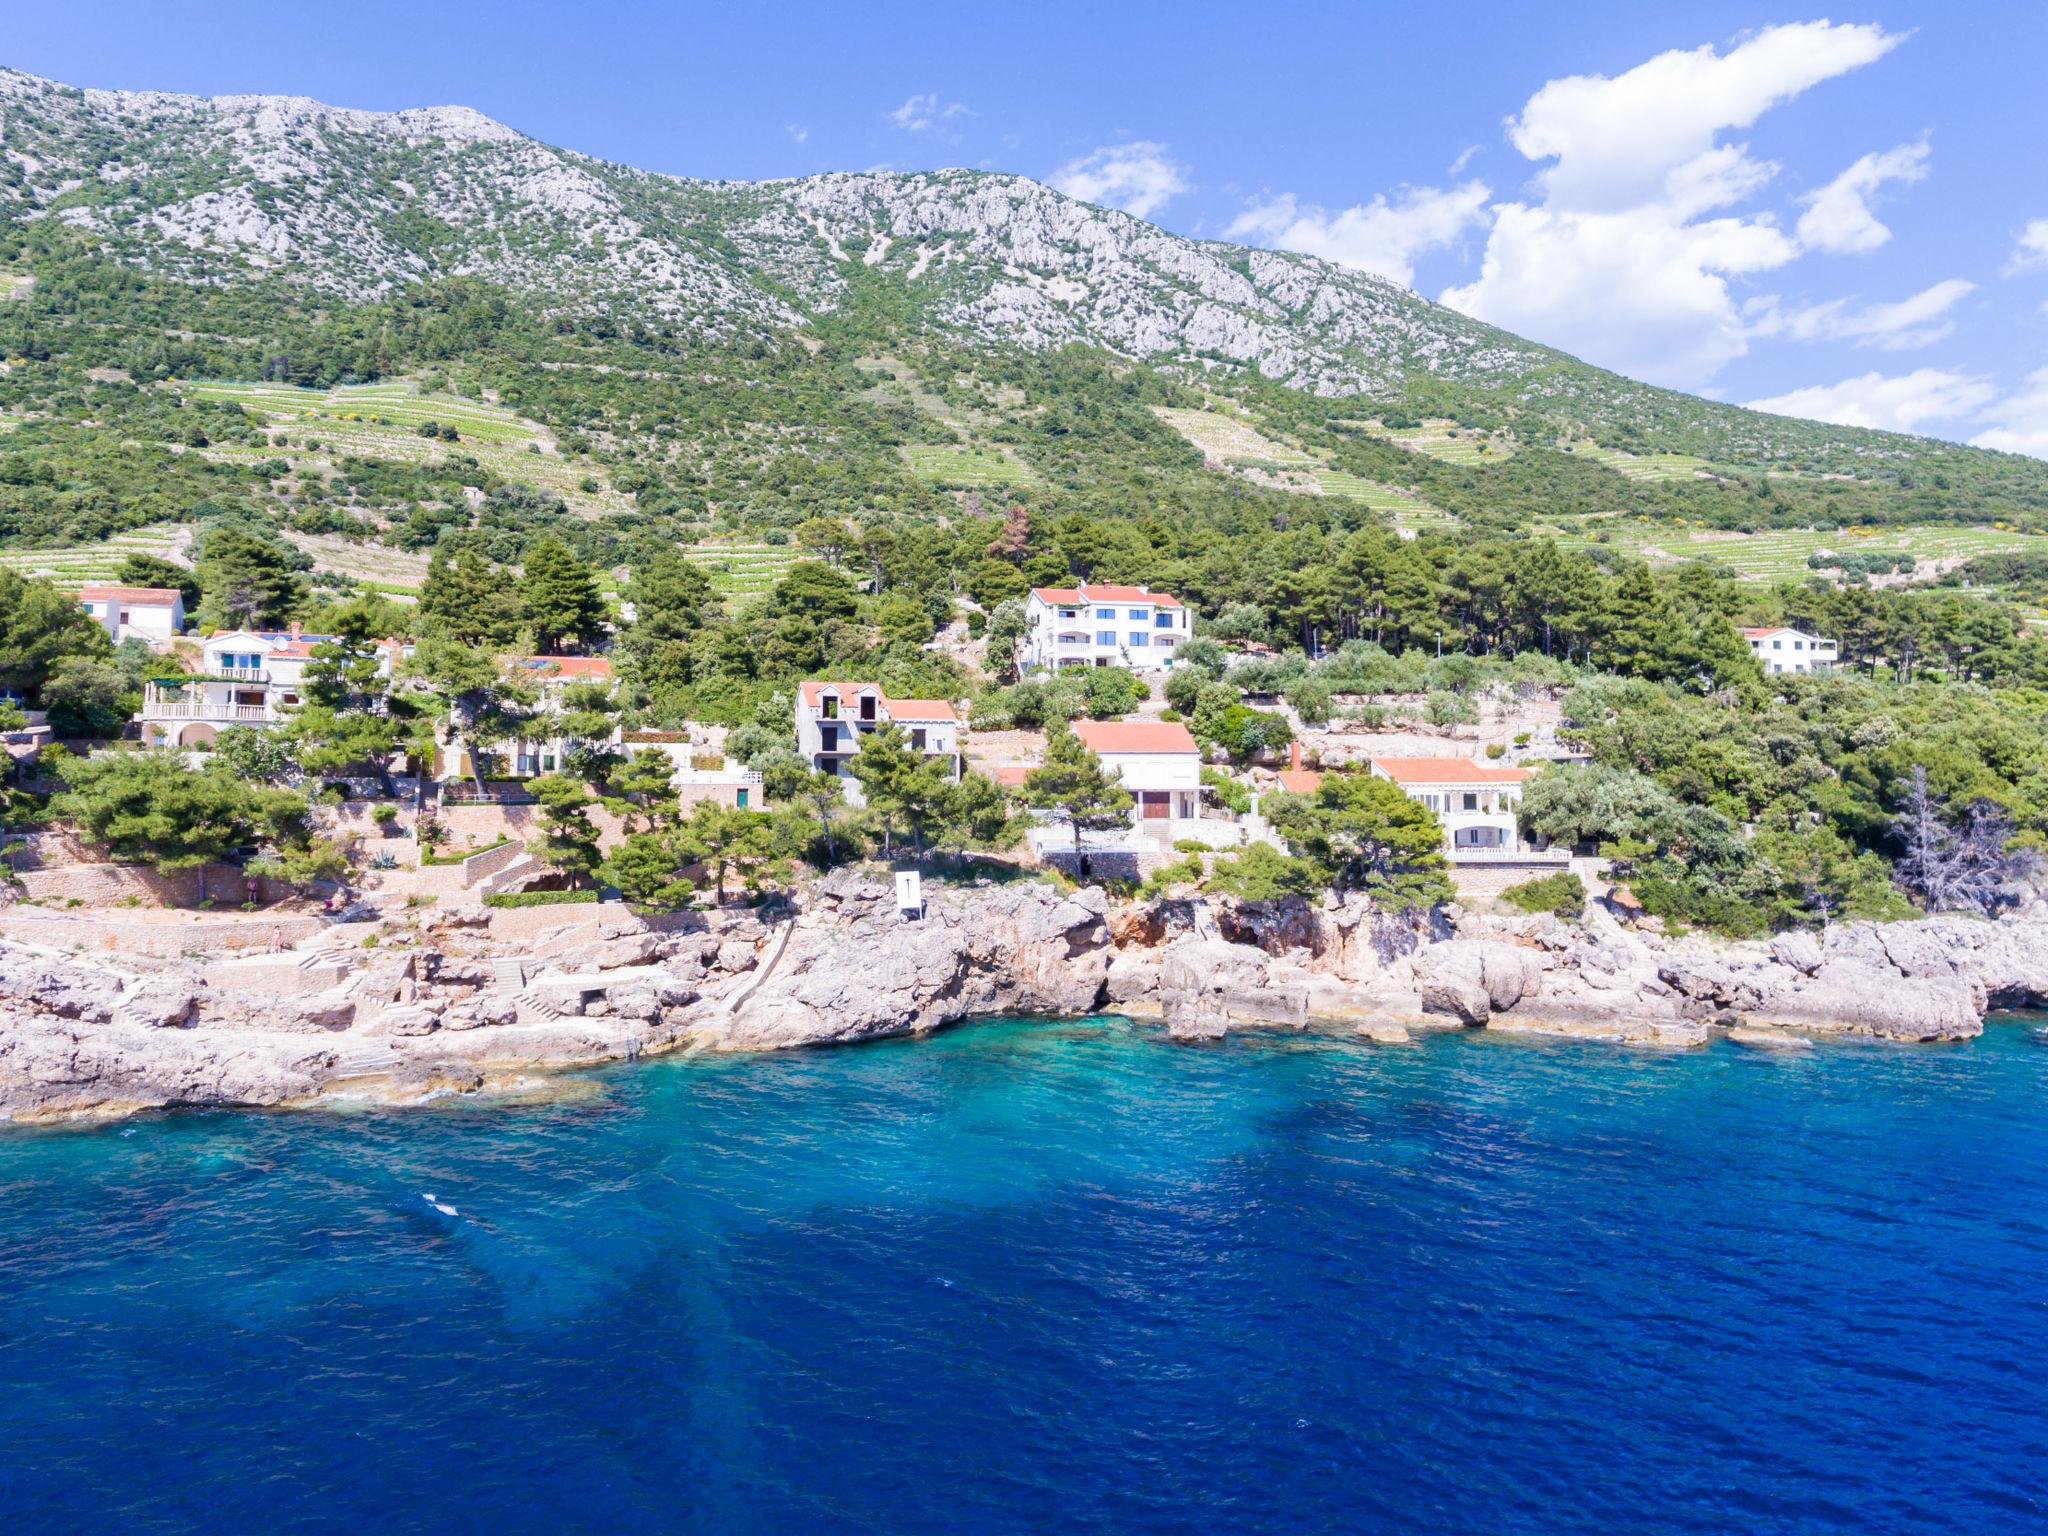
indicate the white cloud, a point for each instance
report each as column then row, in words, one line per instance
column 797, row 132
column 1136, row 177
column 2030, row 250
column 1619, row 260
column 1378, row 237
column 1838, row 217
column 2022, row 419
column 1898, row 403
column 1917, row 321
column 1457, row 166
column 923, row 112
column 1616, row 140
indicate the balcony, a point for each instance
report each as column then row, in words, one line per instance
column 163, row 709
column 241, row 674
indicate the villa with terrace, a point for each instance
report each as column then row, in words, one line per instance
column 246, row 677
column 1098, row 625
column 834, row 719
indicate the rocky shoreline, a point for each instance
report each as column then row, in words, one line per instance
column 408, row 1006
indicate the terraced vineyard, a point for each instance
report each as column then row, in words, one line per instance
column 1246, row 451
column 741, row 569
column 1448, row 441
column 1644, row 466
column 964, row 467
column 81, row 563
column 394, row 572
column 1781, row 554
column 382, row 421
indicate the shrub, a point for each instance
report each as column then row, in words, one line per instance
column 1521, row 738
column 1562, row 893
column 538, row 898
column 1681, row 903
column 1495, row 749
column 1233, row 796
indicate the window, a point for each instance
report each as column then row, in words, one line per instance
column 740, row 799
column 1777, row 645
column 917, row 740
column 1139, row 637
column 828, row 738
column 1070, row 613
column 1140, row 614
column 1162, row 620
column 1798, row 645
column 832, row 706
column 1105, row 613
column 1471, row 801
column 1105, row 637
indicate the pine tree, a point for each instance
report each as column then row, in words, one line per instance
column 467, row 598
column 248, row 580
column 1073, row 787
column 559, row 597
column 568, row 838
column 1367, row 835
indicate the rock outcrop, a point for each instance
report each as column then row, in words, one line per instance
column 852, row 969
column 405, row 1007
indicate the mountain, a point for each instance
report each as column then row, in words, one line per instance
column 358, row 204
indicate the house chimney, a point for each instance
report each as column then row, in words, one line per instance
column 1294, row 754
column 295, row 629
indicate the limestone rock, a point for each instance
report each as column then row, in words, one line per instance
column 1472, row 979
column 1855, row 997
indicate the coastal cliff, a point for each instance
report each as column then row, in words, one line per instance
column 403, row 1007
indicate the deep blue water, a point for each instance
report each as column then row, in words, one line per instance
column 1025, row 1277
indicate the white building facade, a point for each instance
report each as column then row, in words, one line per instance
column 1094, row 625
column 1475, row 802
column 1792, row 650
column 246, row 677
column 153, row 615
column 1159, row 764
column 833, row 719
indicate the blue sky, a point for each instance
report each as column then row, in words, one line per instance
column 1751, row 202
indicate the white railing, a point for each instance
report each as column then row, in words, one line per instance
column 243, row 674
column 1537, row 856
column 156, row 710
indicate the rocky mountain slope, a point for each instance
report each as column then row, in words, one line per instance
column 357, row 204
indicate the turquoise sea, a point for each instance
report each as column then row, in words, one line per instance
column 1057, row 1277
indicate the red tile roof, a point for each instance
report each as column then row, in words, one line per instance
column 568, row 666
column 1445, row 770
column 1089, row 592
column 164, row 595
column 1010, row 773
column 898, row 709
column 1300, row 781
column 1134, row 736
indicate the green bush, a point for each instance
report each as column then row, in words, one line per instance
column 1562, row 893
column 1495, row 749
column 538, row 898
column 1681, row 903
column 460, row 854
column 1230, row 794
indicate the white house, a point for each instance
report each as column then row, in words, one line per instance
column 832, row 719
column 1474, row 801
column 246, row 677
column 1159, row 764
column 698, row 776
column 150, row 614
column 1791, row 650
column 1102, row 626
column 546, row 748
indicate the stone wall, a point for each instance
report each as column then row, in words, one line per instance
column 478, row 826
column 56, row 868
